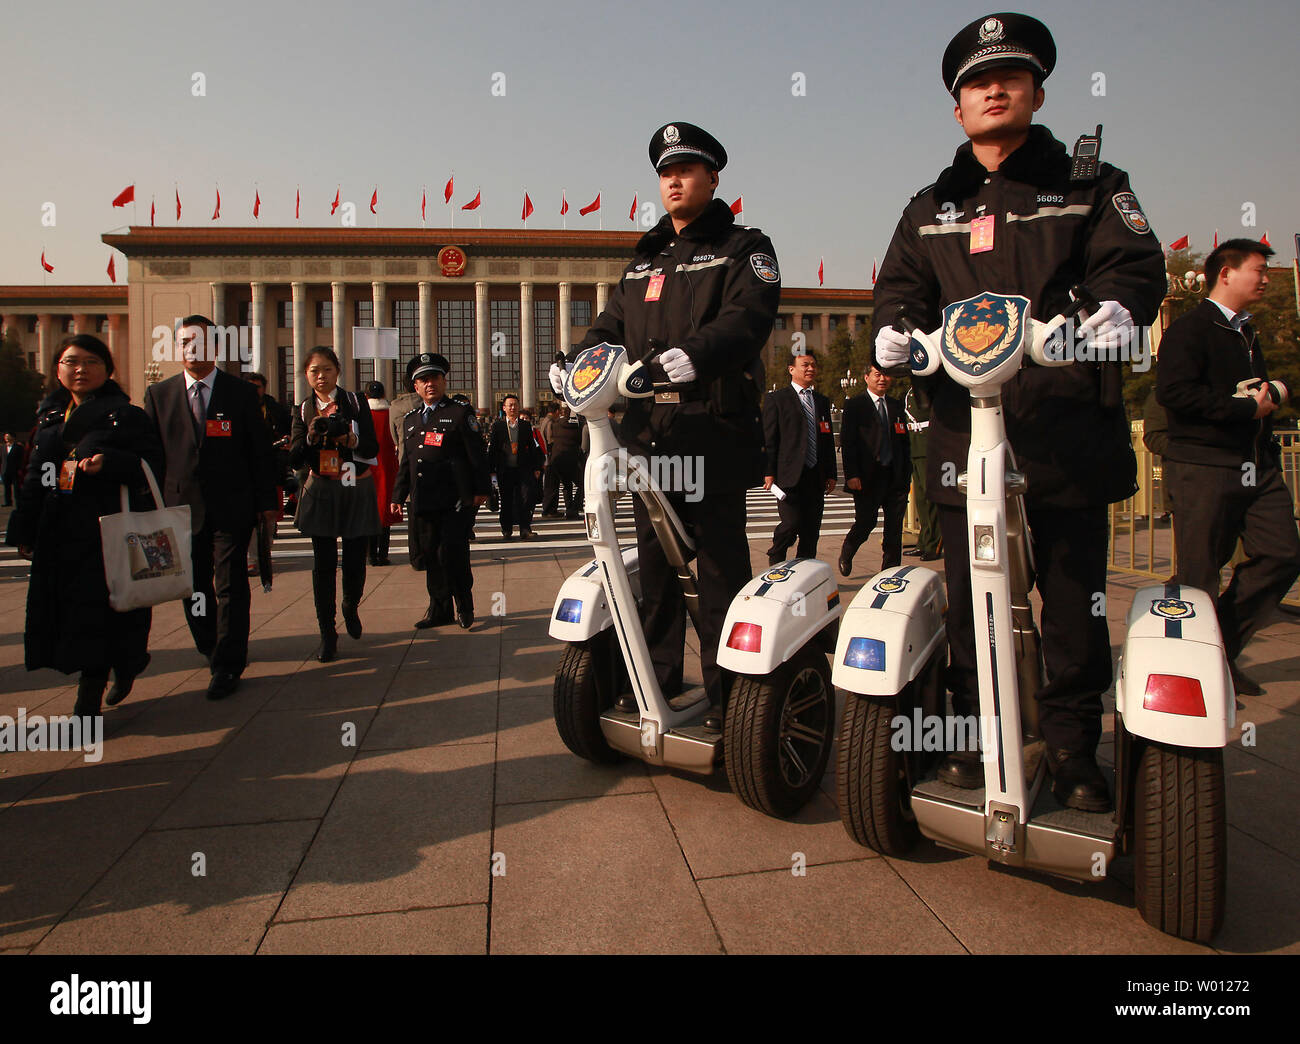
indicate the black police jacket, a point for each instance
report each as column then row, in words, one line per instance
column 711, row 290
column 1049, row 233
column 445, row 462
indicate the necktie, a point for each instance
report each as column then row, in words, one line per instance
column 886, row 438
column 810, row 455
column 198, row 406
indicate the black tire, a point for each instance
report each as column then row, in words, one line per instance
column 778, row 732
column 1180, row 848
column 871, row 778
column 587, row 682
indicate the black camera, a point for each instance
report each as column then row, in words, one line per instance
column 329, row 427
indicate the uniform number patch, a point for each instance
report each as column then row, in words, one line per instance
column 764, row 266
column 1127, row 205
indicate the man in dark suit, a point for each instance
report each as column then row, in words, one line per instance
column 877, row 468
column 516, row 461
column 1222, row 463
column 800, row 450
column 219, row 462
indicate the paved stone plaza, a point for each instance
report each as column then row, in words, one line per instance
column 390, row 845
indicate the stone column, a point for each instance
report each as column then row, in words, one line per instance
column 426, row 316
column 218, row 303
column 527, row 354
column 257, row 336
column 853, row 327
column 826, row 330
column 564, row 321
column 300, row 386
column 342, row 334
column 81, row 324
column 483, row 349
column 116, row 347
column 383, row 369
column 44, row 343
column 602, row 297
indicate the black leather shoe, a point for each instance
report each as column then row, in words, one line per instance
column 1244, row 683
column 713, row 720
column 385, row 561
column 351, row 620
column 845, row 563
column 122, row 683
column 223, row 683
column 1077, row 782
column 930, row 556
column 911, row 552
column 465, row 618
column 963, row 769
column 329, row 648
column 626, row 704
column 89, row 693
column 434, row 617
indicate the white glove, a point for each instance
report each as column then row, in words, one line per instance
column 1111, row 324
column 892, row 348
column 678, row 366
column 556, row 374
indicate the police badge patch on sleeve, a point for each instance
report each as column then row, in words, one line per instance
column 1129, row 209
column 765, row 267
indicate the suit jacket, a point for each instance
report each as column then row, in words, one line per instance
column 530, row 454
column 785, row 436
column 860, row 438
column 353, row 408
column 225, row 479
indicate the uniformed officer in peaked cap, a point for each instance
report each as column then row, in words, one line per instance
column 1013, row 214
column 708, row 289
column 445, row 474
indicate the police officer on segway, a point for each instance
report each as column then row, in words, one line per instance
column 708, row 289
column 444, row 472
column 1016, row 214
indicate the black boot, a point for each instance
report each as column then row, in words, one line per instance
column 1077, row 781
column 382, row 555
column 122, row 684
column 847, row 551
column 90, row 691
column 329, row 645
column 351, row 619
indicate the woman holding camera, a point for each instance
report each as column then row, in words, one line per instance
column 333, row 436
column 90, row 442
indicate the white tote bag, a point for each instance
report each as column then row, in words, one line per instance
column 147, row 553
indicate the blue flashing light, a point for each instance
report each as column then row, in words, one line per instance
column 570, row 610
column 867, row 654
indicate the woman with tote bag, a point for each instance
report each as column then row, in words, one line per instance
column 89, row 443
column 334, row 437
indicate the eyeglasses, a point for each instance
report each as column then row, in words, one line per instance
column 82, row 364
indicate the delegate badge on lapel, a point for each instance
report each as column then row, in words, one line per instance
column 329, row 463
column 433, row 438
column 217, row 429
column 654, row 286
column 67, row 475
column 899, row 429
column 981, row 234
column 824, row 427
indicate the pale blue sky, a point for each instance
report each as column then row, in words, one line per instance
column 1200, row 108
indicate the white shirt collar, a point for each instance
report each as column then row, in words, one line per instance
column 209, row 380
column 1228, row 313
column 322, row 403
column 798, row 390
column 875, row 399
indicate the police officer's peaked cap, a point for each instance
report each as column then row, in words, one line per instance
column 686, row 143
column 999, row 39
column 425, row 363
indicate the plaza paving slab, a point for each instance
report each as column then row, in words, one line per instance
column 414, row 797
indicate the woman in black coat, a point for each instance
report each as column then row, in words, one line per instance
column 89, row 443
column 333, row 436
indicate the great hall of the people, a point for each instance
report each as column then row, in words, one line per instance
column 497, row 303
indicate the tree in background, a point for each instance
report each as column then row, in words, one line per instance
column 20, row 388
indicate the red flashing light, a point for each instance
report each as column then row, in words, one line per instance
column 747, row 637
column 1174, row 694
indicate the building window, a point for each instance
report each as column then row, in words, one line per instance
column 31, row 324
column 246, row 314
column 544, row 344
column 65, row 324
column 406, row 317
column 456, row 344
column 780, row 323
column 364, row 315
column 325, row 314
column 287, row 376
column 505, row 335
column 284, row 314
column 580, row 313
column 103, row 324
column 807, row 323
column 833, row 323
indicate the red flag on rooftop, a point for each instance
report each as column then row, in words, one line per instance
column 127, row 195
column 474, row 203
column 1181, row 243
column 1216, row 240
column 1264, row 239
column 178, row 204
column 821, row 271
column 423, row 200
column 739, row 205
column 297, row 203
column 217, row 212
column 564, row 204
column 151, row 211
column 528, row 208
column 112, row 270
column 446, row 193
column 631, row 214
column 45, row 264
column 257, row 204
column 593, row 205
column 335, row 205
column 873, row 271
column 374, row 200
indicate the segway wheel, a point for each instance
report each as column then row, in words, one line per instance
column 777, row 734
column 587, row 682
column 1180, row 840
column 871, row 779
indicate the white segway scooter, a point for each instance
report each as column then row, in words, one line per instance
column 1173, row 695
column 779, row 723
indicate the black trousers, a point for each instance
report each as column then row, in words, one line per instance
column 717, row 524
column 800, row 516
column 867, row 503
column 1215, row 508
column 928, row 514
column 516, row 488
column 324, row 570
column 218, row 612
column 1070, row 557
column 442, row 539
column 564, row 471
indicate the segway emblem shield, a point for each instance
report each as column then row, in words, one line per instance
column 889, row 585
column 591, row 370
column 1173, row 609
column 981, row 331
